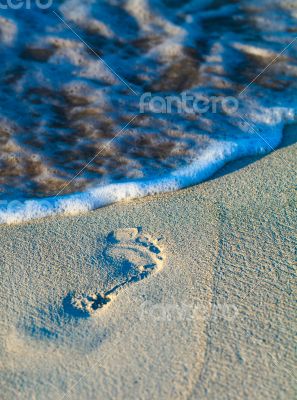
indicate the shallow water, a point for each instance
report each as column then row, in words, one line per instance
column 65, row 114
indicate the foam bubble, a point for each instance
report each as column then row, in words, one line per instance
column 62, row 107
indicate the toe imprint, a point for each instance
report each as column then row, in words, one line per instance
column 131, row 252
column 132, row 256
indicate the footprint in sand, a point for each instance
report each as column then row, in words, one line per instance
column 132, row 255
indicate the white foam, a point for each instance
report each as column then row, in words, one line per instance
column 171, row 34
column 8, row 31
column 212, row 159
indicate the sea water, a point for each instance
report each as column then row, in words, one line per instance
column 109, row 100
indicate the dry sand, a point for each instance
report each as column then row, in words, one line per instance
column 212, row 318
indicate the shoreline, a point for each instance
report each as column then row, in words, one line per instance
column 215, row 321
column 208, row 165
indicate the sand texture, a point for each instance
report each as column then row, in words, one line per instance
column 186, row 295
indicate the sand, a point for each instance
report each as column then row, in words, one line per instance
column 187, row 295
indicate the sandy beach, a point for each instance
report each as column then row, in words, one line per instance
column 187, row 295
column 148, row 200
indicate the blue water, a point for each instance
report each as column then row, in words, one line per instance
column 75, row 132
